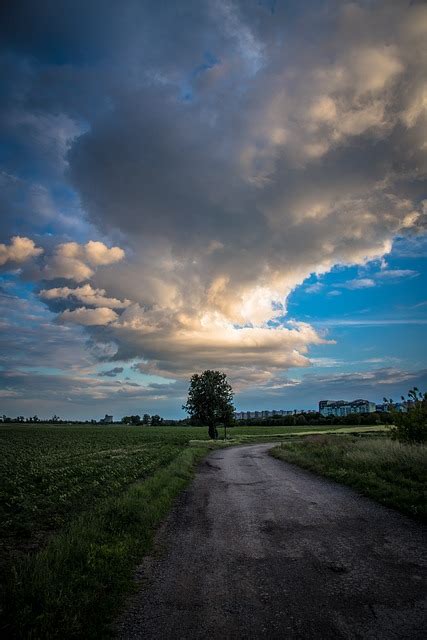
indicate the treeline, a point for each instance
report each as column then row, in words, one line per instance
column 296, row 420
column 153, row 421
column 34, row 419
column 316, row 419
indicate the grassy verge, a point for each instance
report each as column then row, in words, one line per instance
column 253, row 438
column 392, row 473
column 74, row 586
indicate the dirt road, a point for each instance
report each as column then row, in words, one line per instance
column 259, row 548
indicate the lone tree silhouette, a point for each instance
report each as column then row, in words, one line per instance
column 210, row 401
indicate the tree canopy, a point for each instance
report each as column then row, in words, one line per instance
column 411, row 425
column 210, row 400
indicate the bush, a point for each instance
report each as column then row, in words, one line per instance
column 412, row 425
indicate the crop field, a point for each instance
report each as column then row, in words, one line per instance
column 49, row 474
column 78, row 508
column 54, row 478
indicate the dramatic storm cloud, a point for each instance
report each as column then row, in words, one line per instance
column 175, row 173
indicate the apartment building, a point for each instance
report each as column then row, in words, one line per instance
column 342, row 408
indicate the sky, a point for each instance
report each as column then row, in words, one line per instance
column 222, row 184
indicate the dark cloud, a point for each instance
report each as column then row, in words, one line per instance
column 111, row 373
column 29, row 338
column 374, row 385
column 82, row 396
column 230, row 148
column 270, row 171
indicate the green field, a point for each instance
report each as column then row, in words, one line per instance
column 391, row 472
column 49, row 474
column 78, row 508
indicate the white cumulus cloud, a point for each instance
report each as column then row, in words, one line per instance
column 88, row 317
column 19, row 250
column 78, row 262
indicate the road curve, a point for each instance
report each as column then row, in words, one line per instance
column 259, row 548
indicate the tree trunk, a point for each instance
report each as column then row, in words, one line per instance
column 213, row 433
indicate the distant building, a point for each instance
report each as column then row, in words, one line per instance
column 266, row 413
column 342, row 408
column 397, row 406
column 107, row 420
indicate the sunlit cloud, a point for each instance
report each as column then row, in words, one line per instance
column 88, row 317
column 78, row 262
column 166, row 209
column 86, row 295
column 19, row 250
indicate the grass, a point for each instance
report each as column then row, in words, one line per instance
column 78, row 508
column 73, row 587
column 56, row 482
column 247, row 435
column 392, row 473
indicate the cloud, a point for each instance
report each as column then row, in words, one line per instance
column 8, row 393
column 290, row 175
column 370, row 322
column 88, row 317
column 47, row 135
column 97, row 253
column 19, row 250
column 78, row 261
column 253, row 182
column 37, row 342
column 111, row 373
column 314, row 288
column 296, row 145
column 178, row 345
column 86, row 295
column 372, row 384
column 357, row 283
column 396, row 274
column 410, row 247
column 380, row 277
column 384, row 376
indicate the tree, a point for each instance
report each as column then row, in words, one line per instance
column 210, row 401
column 146, row 418
column 131, row 419
column 410, row 425
column 156, row 420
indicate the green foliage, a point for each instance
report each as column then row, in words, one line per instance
column 210, row 400
column 76, row 584
column 50, row 474
column 391, row 472
column 410, row 426
column 131, row 419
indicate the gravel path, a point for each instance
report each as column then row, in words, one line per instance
column 259, row 548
